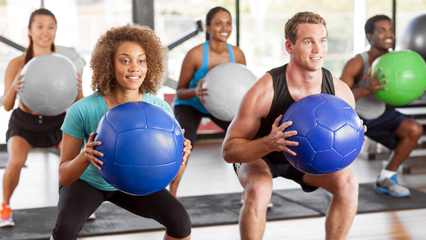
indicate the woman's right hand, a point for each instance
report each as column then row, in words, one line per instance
column 16, row 85
column 90, row 153
column 200, row 92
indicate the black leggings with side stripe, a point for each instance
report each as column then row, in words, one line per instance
column 79, row 200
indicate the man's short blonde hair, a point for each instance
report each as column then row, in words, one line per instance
column 301, row 17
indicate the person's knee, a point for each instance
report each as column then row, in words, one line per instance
column 179, row 226
column 68, row 224
column 258, row 193
column 410, row 129
column 347, row 186
column 63, row 231
column 15, row 165
column 416, row 131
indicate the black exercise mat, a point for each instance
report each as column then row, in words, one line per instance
column 368, row 200
column 206, row 210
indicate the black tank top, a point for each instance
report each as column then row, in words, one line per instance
column 282, row 100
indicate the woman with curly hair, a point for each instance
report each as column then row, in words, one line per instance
column 127, row 65
column 189, row 102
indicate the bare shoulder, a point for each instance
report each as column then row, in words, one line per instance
column 238, row 55
column 197, row 49
column 353, row 67
column 236, row 49
column 355, row 62
column 255, row 105
column 261, row 94
column 343, row 91
column 195, row 52
column 15, row 65
column 194, row 56
column 17, row 62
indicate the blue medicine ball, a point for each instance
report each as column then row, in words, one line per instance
column 329, row 132
column 142, row 145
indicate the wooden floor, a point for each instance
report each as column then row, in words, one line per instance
column 208, row 173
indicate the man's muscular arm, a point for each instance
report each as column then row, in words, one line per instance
column 343, row 91
column 238, row 146
column 369, row 84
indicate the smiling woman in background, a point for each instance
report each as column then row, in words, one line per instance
column 189, row 102
column 28, row 129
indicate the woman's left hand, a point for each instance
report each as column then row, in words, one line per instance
column 201, row 92
column 186, row 149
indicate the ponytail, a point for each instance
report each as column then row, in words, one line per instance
column 30, row 51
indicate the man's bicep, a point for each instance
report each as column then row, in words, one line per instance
column 351, row 71
column 348, row 77
column 245, row 124
column 344, row 92
column 254, row 106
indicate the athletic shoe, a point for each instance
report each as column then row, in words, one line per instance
column 391, row 186
column 92, row 217
column 6, row 216
column 244, row 196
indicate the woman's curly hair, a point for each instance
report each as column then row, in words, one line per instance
column 102, row 62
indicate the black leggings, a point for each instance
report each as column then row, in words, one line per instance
column 79, row 200
column 189, row 118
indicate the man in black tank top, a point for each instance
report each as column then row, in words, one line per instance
column 255, row 139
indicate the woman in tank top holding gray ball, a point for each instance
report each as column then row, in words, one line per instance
column 189, row 102
column 27, row 128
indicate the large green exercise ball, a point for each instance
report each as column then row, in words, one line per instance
column 406, row 75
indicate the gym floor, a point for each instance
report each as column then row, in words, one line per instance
column 208, row 173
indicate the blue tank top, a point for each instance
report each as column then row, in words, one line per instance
column 198, row 75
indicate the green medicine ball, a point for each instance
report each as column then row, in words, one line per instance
column 406, row 75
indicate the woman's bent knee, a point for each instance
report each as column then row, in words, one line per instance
column 179, row 226
column 65, row 232
column 15, row 166
column 68, row 225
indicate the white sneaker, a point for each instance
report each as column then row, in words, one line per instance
column 391, row 186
